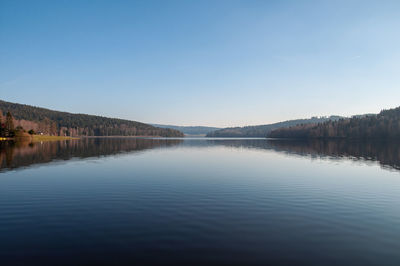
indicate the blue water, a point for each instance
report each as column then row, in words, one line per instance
column 199, row 201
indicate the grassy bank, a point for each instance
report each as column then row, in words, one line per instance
column 37, row 138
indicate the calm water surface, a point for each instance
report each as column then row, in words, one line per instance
column 199, row 201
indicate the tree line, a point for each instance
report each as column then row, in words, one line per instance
column 385, row 125
column 51, row 122
column 262, row 130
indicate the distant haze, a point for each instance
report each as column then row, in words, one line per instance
column 202, row 63
column 190, row 130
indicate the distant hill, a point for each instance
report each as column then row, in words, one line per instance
column 385, row 125
column 263, row 130
column 68, row 124
column 190, row 130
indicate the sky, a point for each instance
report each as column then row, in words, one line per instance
column 216, row 63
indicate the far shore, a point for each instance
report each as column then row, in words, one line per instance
column 38, row 138
column 118, row 136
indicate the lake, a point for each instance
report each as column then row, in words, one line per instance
column 199, row 201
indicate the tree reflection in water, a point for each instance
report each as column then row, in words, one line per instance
column 23, row 154
column 386, row 153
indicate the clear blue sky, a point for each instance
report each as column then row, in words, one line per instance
column 218, row 63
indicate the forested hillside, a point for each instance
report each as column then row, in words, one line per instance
column 385, row 125
column 51, row 122
column 263, row 130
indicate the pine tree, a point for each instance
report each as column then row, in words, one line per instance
column 9, row 125
column 1, row 124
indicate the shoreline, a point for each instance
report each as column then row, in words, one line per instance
column 38, row 138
